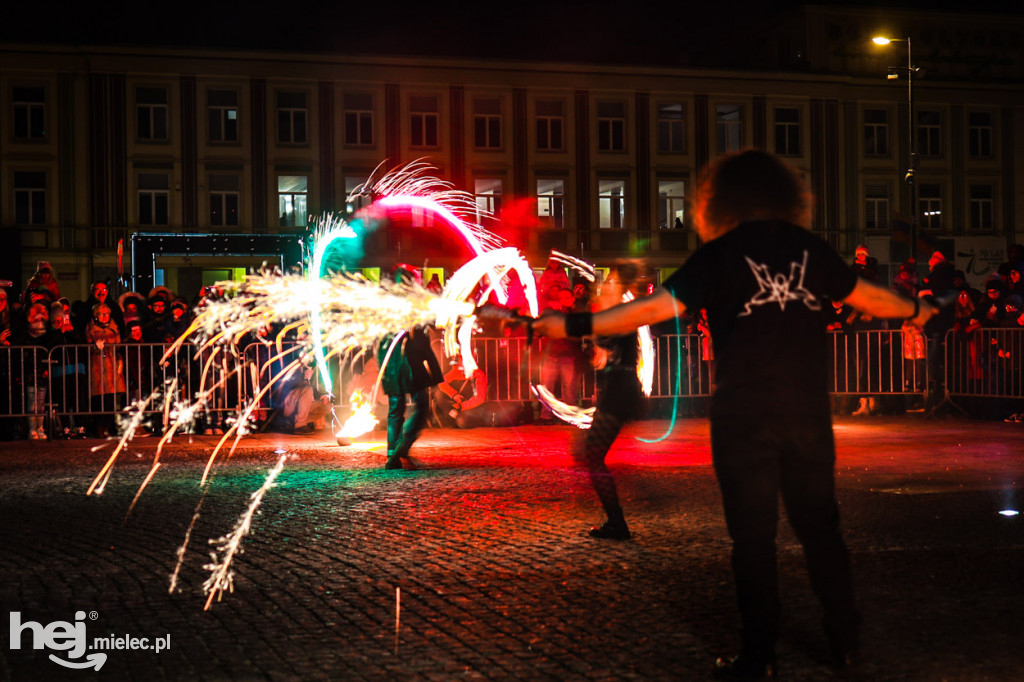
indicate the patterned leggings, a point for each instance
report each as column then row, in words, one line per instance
column 590, row 453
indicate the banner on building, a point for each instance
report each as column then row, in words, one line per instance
column 979, row 257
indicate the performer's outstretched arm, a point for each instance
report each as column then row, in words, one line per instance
column 659, row 306
column 883, row 303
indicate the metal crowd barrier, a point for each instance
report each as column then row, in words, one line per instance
column 878, row 362
column 985, row 363
column 84, row 380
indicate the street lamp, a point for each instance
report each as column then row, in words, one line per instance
column 893, row 74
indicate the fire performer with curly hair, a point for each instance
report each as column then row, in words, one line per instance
column 762, row 276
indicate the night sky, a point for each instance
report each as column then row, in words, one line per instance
column 601, row 31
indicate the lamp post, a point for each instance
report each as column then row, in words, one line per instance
column 894, row 73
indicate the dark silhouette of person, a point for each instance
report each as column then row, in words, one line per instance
column 411, row 369
column 762, row 276
column 618, row 396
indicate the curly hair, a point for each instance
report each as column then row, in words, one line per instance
column 750, row 185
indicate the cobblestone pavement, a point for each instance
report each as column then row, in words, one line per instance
column 498, row 581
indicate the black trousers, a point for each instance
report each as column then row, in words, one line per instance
column 402, row 433
column 756, row 460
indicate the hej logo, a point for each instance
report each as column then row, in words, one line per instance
column 59, row 635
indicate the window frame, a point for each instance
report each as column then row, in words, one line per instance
column 929, row 208
column 610, row 127
column 612, row 200
column 554, row 216
column 667, row 204
column 728, row 131
column 293, row 222
column 929, row 134
column 984, row 133
column 670, row 127
column 423, row 117
column 487, row 126
column 880, row 206
column 154, row 196
column 31, row 198
column 874, row 127
column 295, row 115
column 549, row 123
column 358, row 121
column 976, row 219
column 34, row 112
column 224, row 196
column 487, row 202
column 791, row 131
column 222, row 112
column 158, row 115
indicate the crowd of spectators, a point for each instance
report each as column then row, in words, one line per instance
column 95, row 367
column 973, row 317
column 98, row 370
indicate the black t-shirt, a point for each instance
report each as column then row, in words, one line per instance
column 763, row 285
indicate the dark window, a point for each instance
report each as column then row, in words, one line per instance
column 929, row 133
column 151, row 113
column 487, row 123
column 291, row 117
column 549, row 126
column 224, row 200
column 979, row 134
column 787, row 131
column 29, row 113
column 359, row 119
column 153, row 199
column 30, row 198
column 423, row 121
column 876, row 132
column 611, row 126
column 223, row 115
column 671, row 129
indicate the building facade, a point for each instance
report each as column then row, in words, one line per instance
column 598, row 161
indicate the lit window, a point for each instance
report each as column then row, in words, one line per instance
column 611, row 203
column 671, row 204
column 488, row 197
column 351, row 185
column 551, row 201
column 292, row 192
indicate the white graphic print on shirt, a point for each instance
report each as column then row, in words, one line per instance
column 777, row 288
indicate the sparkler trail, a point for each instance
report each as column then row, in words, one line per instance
column 583, row 417
column 333, row 314
column 221, row 577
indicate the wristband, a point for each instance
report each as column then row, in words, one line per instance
column 578, row 325
column 917, row 309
